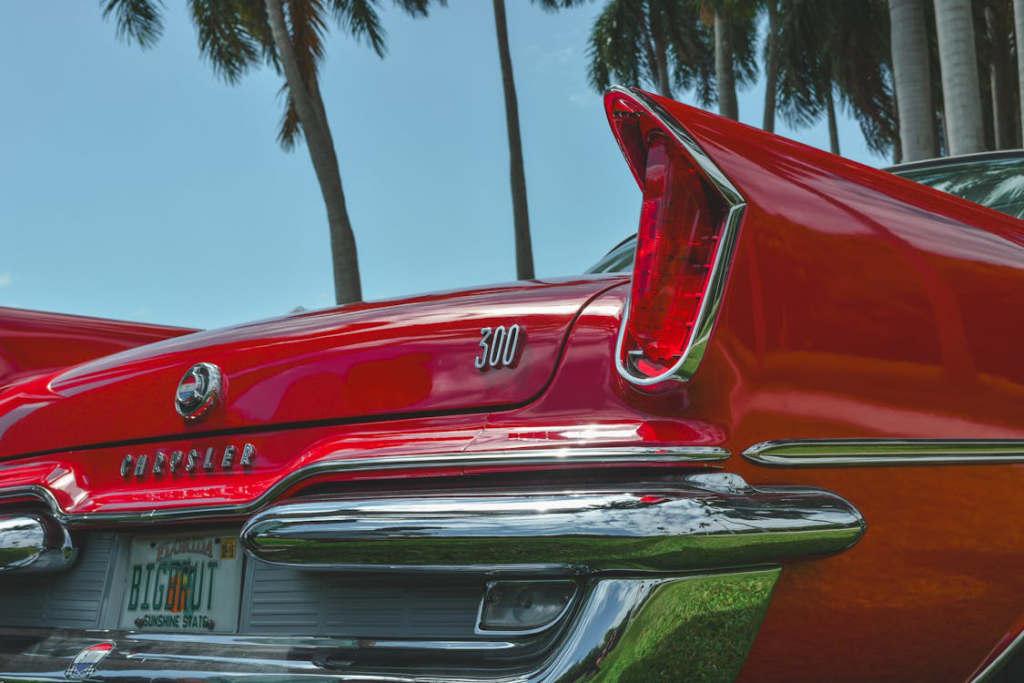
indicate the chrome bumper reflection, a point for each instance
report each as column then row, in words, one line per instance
column 707, row 521
column 34, row 543
column 625, row 630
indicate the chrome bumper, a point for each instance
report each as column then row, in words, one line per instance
column 674, row 580
column 706, row 521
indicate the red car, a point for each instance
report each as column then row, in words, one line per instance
column 777, row 436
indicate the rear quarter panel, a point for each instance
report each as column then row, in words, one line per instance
column 864, row 305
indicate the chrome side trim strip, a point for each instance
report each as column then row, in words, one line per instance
column 688, row 363
column 622, row 456
column 626, row 629
column 996, row 664
column 33, row 544
column 884, row 452
column 708, row 521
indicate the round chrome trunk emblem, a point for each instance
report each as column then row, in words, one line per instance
column 198, row 391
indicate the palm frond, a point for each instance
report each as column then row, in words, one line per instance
column 253, row 17
column 224, row 38
column 555, row 5
column 617, row 45
column 419, row 8
column 136, row 20
column 290, row 131
column 360, row 19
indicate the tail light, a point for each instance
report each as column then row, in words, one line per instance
column 688, row 224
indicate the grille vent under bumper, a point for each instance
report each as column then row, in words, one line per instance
column 275, row 600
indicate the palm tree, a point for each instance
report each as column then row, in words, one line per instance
column 771, row 68
column 288, row 35
column 960, row 88
column 669, row 45
column 911, row 78
column 520, row 211
column 836, row 53
column 734, row 23
column 994, row 47
column 1018, row 22
column 652, row 43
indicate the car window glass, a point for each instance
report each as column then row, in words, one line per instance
column 618, row 260
column 995, row 183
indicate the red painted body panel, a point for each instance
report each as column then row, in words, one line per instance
column 362, row 361
column 35, row 343
column 858, row 305
column 864, row 305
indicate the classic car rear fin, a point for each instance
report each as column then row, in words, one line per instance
column 688, row 224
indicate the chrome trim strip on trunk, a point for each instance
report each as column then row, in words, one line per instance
column 688, row 363
column 626, row 629
column 884, row 452
column 621, row 456
column 706, row 522
column 34, row 543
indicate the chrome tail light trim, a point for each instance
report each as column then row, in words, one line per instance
column 688, row 363
column 708, row 521
column 33, row 544
column 884, row 452
column 618, row 456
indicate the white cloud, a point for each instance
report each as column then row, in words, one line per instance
column 580, row 98
column 6, row 278
column 555, row 58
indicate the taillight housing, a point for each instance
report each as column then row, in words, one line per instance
column 688, row 224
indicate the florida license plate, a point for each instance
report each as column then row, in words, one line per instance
column 183, row 583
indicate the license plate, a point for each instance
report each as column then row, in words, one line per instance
column 183, row 583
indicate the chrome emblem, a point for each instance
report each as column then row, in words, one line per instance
column 198, row 391
column 499, row 346
column 84, row 664
column 188, row 461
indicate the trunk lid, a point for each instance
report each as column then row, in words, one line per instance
column 364, row 361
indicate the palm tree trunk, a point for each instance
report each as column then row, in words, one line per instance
column 960, row 88
column 771, row 71
column 520, row 213
column 833, row 128
column 1018, row 22
column 726, row 77
column 912, row 79
column 347, row 287
column 661, row 60
column 897, row 146
column 999, row 81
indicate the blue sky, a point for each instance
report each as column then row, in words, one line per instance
column 137, row 185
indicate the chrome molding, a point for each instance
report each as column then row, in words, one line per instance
column 623, row 456
column 619, row 633
column 32, row 543
column 688, row 363
column 704, row 522
column 883, row 452
column 996, row 664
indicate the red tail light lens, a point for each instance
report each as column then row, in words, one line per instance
column 674, row 252
column 682, row 221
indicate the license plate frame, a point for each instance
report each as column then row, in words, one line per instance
column 182, row 583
